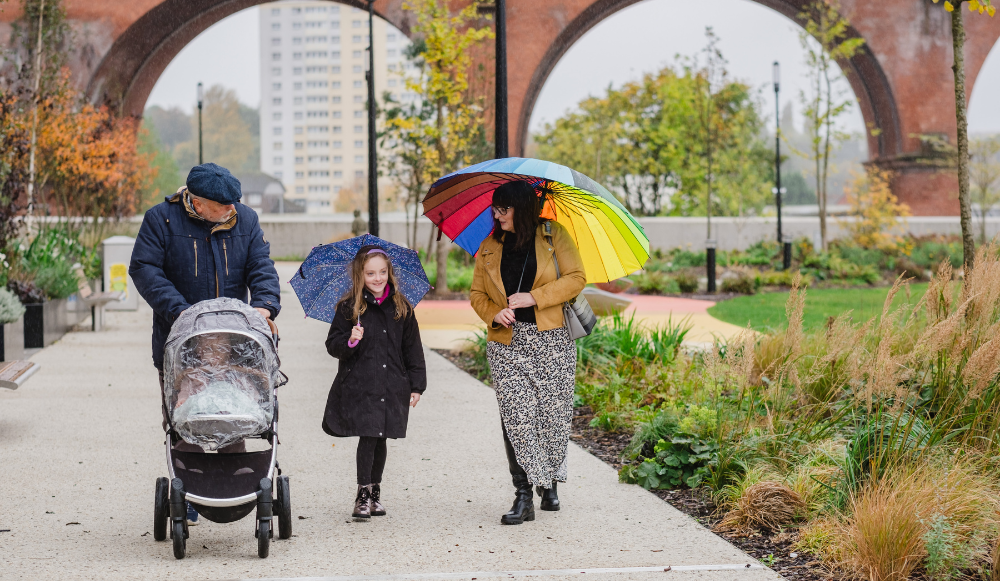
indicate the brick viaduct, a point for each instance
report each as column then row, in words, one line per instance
column 902, row 79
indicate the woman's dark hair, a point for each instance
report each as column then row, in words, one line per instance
column 522, row 197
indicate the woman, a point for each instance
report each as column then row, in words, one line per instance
column 516, row 292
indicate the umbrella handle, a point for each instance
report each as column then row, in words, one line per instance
column 353, row 342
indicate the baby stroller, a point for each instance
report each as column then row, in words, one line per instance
column 220, row 371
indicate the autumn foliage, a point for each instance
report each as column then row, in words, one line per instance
column 87, row 157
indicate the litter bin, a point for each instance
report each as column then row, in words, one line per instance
column 116, row 258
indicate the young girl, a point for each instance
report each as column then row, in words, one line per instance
column 374, row 334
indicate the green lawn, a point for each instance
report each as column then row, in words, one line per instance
column 767, row 311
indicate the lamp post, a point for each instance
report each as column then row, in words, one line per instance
column 372, row 158
column 201, row 151
column 786, row 247
column 500, row 131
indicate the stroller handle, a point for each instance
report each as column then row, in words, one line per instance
column 274, row 331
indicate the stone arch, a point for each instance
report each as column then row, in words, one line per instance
column 139, row 55
column 864, row 73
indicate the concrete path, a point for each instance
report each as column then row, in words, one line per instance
column 449, row 324
column 81, row 446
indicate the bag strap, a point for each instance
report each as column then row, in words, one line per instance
column 547, row 228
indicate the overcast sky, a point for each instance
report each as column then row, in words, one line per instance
column 638, row 39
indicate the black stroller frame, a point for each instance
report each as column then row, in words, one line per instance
column 224, row 487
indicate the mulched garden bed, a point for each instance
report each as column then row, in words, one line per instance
column 774, row 550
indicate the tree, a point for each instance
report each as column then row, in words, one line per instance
column 227, row 137
column 962, row 143
column 984, row 173
column 15, row 143
column 825, row 41
column 405, row 160
column 455, row 127
column 168, row 177
column 875, row 210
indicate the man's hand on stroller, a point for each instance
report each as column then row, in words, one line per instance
column 265, row 312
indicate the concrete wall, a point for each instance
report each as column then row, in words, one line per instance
column 294, row 236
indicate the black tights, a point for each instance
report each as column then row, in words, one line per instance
column 371, row 460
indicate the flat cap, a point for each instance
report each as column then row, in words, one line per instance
column 214, row 182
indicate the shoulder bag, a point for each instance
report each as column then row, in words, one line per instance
column 577, row 314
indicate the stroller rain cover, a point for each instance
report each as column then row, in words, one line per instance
column 220, row 368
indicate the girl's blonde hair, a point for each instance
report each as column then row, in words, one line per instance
column 355, row 296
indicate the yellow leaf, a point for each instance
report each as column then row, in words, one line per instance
column 991, row 10
column 948, row 7
column 973, row 5
column 935, row 1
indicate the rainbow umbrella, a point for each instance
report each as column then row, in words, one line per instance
column 611, row 241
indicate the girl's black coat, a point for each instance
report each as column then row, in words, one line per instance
column 371, row 393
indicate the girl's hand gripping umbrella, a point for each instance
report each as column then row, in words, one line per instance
column 356, row 334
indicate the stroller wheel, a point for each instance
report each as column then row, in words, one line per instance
column 283, row 510
column 265, row 514
column 180, row 543
column 263, row 538
column 161, row 509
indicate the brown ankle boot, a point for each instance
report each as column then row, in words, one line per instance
column 362, row 503
column 376, row 505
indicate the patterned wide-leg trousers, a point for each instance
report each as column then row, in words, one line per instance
column 534, row 378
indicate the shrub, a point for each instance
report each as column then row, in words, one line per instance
column 765, row 506
column 26, row 292
column 687, row 283
column 741, row 284
column 845, row 270
column 11, row 308
column 909, row 269
column 651, row 282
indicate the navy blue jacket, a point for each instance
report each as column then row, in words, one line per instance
column 180, row 259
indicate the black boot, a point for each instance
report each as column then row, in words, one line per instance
column 550, row 500
column 524, row 507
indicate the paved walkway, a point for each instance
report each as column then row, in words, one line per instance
column 448, row 324
column 81, row 446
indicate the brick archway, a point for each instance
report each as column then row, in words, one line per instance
column 902, row 80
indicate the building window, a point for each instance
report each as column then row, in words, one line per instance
column 316, row 54
column 336, row 114
column 316, row 84
column 277, row 130
column 298, row 160
column 275, row 86
column 315, row 39
column 357, row 23
column 275, row 26
column 391, row 67
column 300, row 174
column 334, row 40
column 359, row 143
column 276, row 101
column 316, row 9
column 356, row 54
column 314, row 25
column 298, row 100
column 359, row 114
column 318, row 114
column 335, row 99
column 359, row 174
column 356, row 38
column 319, row 158
column 319, row 144
column 299, row 145
column 298, row 130
column 336, row 189
column 275, row 11
column 357, row 69
column 335, row 85
column 318, row 189
column 277, row 160
column 338, row 159
column 338, row 174
column 279, row 174
column 319, row 129
column 297, row 71
column 297, row 55
column 276, row 71
column 319, row 174
column 317, row 99
column 391, row 52
column 392, row 82
column 319, row 69
column 275, row 42
column 298, row 115
column 337, row 128
column 358, row 84
column 391, row 37
column 335, row 54
column 359, row 159
column 335, row 69
column 277, row 145
column 300, row 189
column 276, row 116
column 359, row 98
column 276, row 56
column 337, row 144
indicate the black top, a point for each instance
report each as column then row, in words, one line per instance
column 512, row 264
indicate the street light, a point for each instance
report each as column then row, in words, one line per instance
column 500, row 132
column 786, row 247
column 372, row 159
column 201, row 152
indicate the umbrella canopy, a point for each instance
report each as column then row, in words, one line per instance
column 325, row 277
column 611, row 241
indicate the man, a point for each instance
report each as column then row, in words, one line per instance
column 201, row 244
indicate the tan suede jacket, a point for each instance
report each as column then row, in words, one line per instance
column 489, row 298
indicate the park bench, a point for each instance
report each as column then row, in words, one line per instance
column 15, row 373
column 96, row 301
